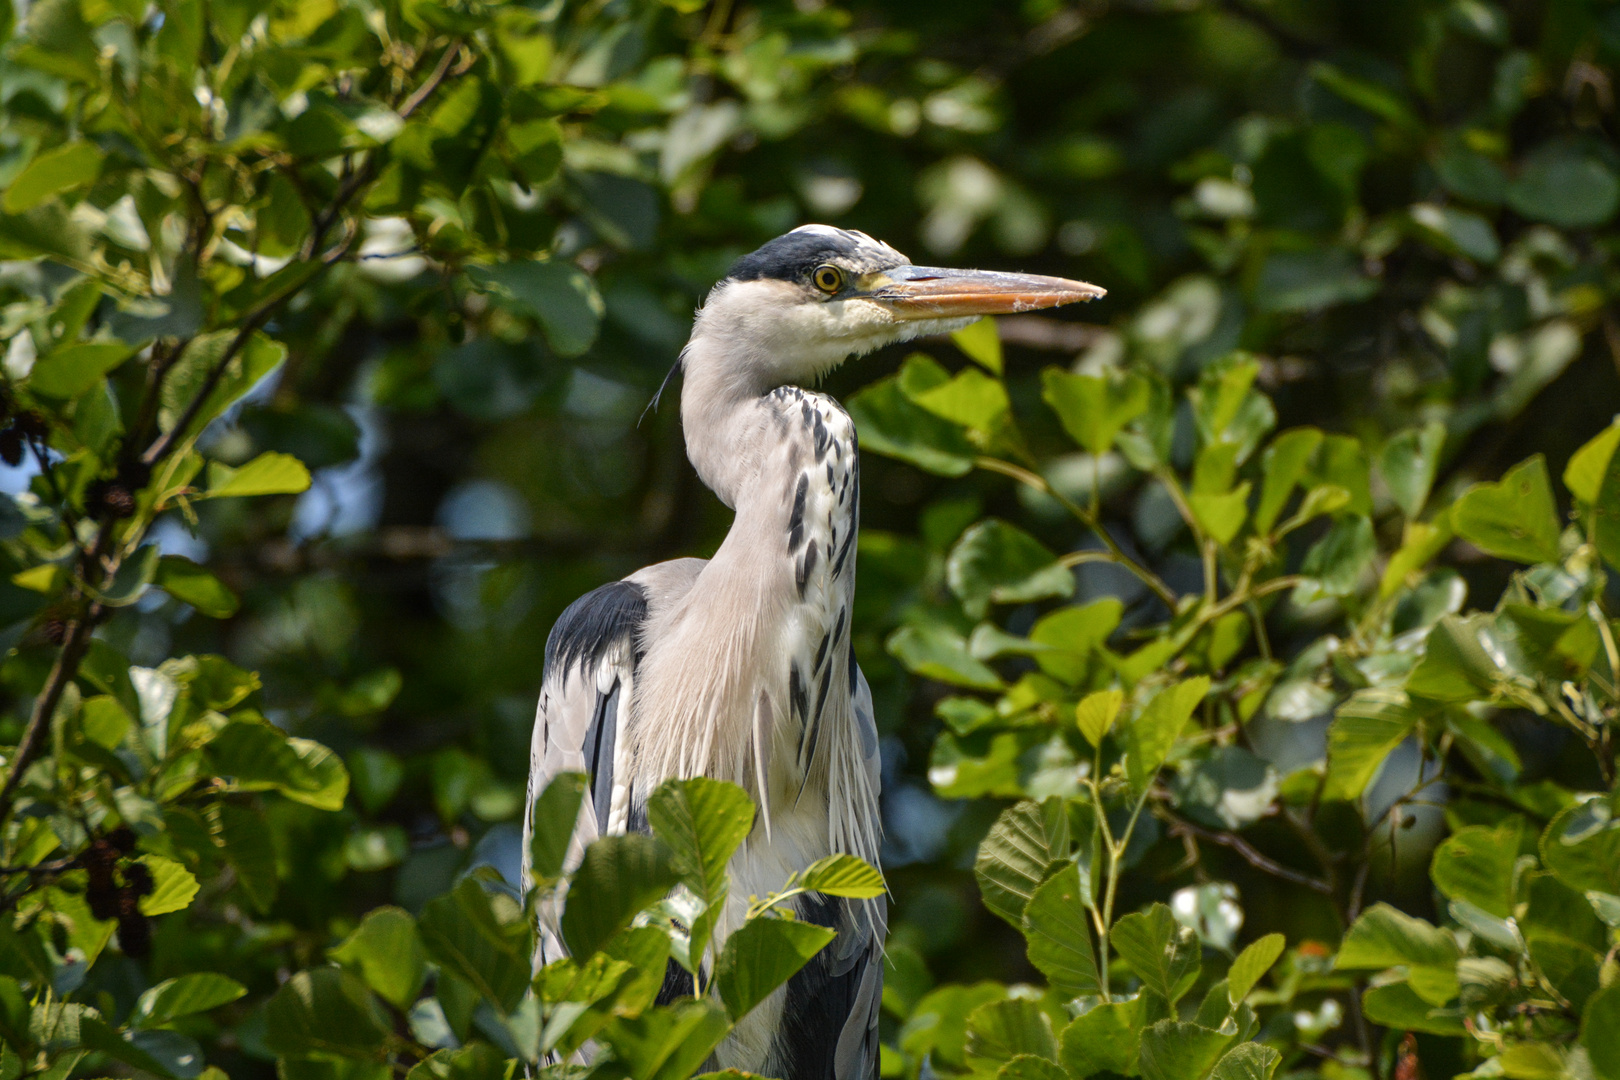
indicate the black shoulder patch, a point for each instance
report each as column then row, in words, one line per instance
column 587, row 629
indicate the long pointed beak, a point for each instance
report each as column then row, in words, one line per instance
column 933, row 292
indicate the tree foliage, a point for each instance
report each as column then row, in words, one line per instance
column 1254, row 644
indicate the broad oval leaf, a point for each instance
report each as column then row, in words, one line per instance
column 1027, row 842
column 1057, row 927
column 324, row 1011
column 173, row 886
column 995, row 561
column 1514, row 518
column 763, row 954
column 182, row 996
column 843, row 875
column 271, row 473
column 618, row 877
column 464, row 934
column 552, row 823
column 1161, row 953
column 1251, row 964
column 388, row 952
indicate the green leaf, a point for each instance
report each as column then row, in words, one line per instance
column 1283, row 464
column 1532, row 1061
column 195, row 585
column 556, row 813
column 463, row 933
column 270, row 473
column 1457, row 232
column 52, row 172
column 1366, row 728
column 1097, row 712
column 96, row 1035
column 1455, row 666
column 1074, row 633
column 618, row 877
column 258, row 757
column 1247, row 1061
column 174, row 887
column 1027, row 842
column 1311, row 280
column 1565, row 187
column 843, row 875
column 1600, row 1032
column 890, row 423
column 1335, row 564
column 1103, row 1039
column 558, row 294
column 1093, row 408
column 761, row 955
column 1030, row 1067
column 1384, row 937
column 1476, row 864
column 1581, row 845
column 1175, row 1051
column 73, row 369
column 1409, row 461
column 1058, row 931
column 475, row 1061
column 1583, row 476
column 981, row 341
column 324, row 1011
column 257, row 357
column 1150, row 737
column 1221, row 515
column 995, row 561
column 388, row 952
column 1398, row 1006
column 665, row 1044
column 183, row 996
column 971, row 399
column 1606, row 514
column 935, row 651
column 702, row 822
column 1514, row 518
column 1251, row 964
column 1161, row 953
column 999, row 1031
column 132, row 579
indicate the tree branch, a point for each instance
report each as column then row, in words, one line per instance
column 1249, row 853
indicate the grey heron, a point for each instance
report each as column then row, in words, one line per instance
column 740, row 667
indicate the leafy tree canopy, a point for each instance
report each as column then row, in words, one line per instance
column 1246, row 654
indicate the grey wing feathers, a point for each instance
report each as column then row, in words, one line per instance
column 584, row 698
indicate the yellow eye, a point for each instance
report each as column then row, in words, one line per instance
column 829, row 279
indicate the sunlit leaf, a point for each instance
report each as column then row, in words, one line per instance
column 388, row 952
column 761, row 955
column 1514, row 518
column 270, row 473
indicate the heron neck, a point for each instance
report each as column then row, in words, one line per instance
column 721, row 418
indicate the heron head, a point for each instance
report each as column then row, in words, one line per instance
column 811, row 298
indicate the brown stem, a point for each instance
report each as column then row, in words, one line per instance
column 1038, row 482
column 1249, row 853
column 62, row 672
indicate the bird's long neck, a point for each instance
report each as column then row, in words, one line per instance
column 720, row 417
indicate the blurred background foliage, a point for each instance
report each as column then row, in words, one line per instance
column 1402, row 215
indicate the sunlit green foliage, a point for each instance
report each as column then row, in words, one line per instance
column 1252, row 644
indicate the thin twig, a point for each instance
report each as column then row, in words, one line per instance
column 1250, row 854
column 1038, row 482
